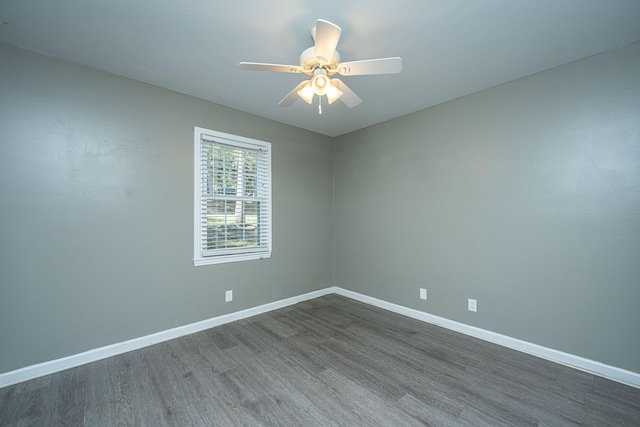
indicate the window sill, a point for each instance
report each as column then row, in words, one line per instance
column 223, row 259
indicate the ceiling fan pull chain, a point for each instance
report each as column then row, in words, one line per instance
column 319, row 104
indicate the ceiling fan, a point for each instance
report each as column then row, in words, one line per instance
column 321, row 62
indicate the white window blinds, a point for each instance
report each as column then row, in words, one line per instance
column 233, row 198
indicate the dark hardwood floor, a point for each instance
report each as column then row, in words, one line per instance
column 328, row 361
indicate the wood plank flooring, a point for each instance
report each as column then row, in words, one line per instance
column 328, row 361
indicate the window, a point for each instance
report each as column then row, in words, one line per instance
column 232, row 198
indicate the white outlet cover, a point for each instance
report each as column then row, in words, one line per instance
column 228, row 296
column 423, row 293
column 473, row 305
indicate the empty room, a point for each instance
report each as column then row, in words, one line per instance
column 300, row 213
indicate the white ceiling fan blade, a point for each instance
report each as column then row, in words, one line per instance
column 256, row 66
column 292, row 96
column 371, row 66
column 326, row 37
column 349, row 97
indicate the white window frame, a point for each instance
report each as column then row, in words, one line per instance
column 217, row 256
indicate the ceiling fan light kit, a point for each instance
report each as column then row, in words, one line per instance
column 321, row 62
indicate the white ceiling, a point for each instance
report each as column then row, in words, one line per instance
column 449, row 48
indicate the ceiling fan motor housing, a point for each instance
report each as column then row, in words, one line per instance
column 309, row 61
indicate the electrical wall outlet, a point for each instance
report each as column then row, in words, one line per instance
column 473, row 305
column 228, row 296
column 423, row 293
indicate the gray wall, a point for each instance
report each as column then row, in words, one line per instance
column 525, row 197
column 96, row 211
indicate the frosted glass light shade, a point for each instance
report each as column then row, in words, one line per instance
column 306, row 93
column 333, row 94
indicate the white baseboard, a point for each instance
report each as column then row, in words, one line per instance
column 577, row 362
column 606, row 371
column 53, row 366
